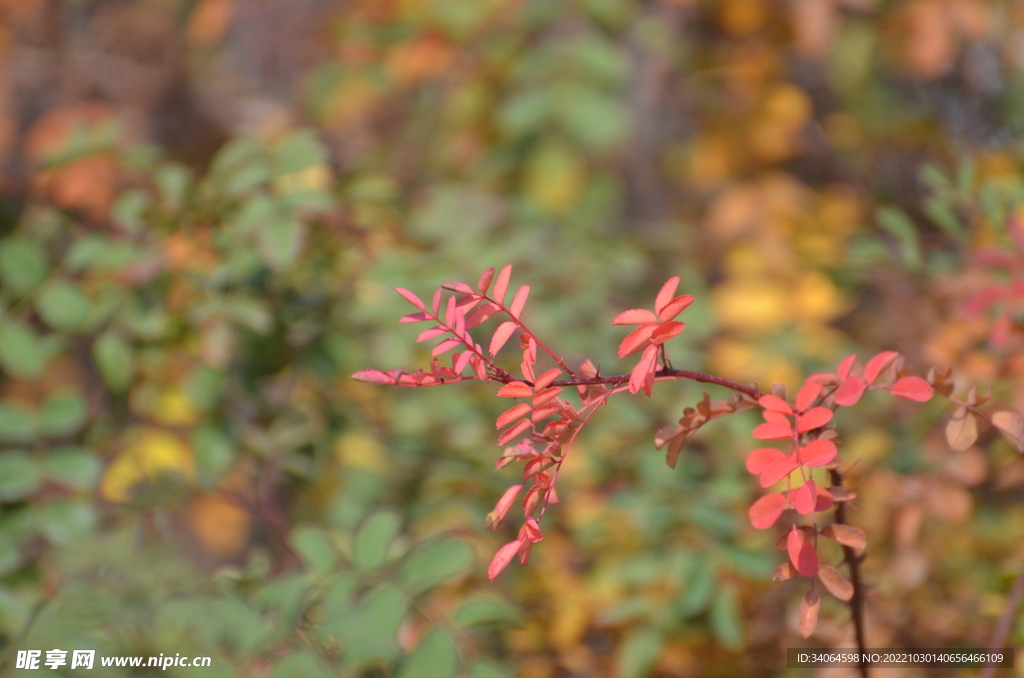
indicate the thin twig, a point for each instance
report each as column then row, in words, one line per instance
column 853, row 561
column 1005, row 624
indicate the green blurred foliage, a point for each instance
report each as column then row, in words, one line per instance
column 198, row 237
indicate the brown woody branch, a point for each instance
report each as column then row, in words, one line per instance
column 853, row 561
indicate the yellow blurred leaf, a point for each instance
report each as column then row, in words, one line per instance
column 149, row 453
column 220, row 524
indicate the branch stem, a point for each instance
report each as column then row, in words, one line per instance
column 853, row 561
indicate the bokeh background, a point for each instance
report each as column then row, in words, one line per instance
column 205, row 203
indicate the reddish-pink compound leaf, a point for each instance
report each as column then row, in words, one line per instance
column 501, row 335
column 501, row 284
column 432, row 333
column 674, row 307
column 460, row 287
column 762, row 458
column 543, row 413
column 519, row 301
column 515, row 389
column 812, row 419
column 495, row 517
column 767, row 510
column 531, row 502
column 912, row 388
column 778, row 470
column 411, row 298
column 485, row 280
column 435, row 303
column 846, row 366
column 805, row 498
column 824, row 501
column 665, row 293
column 667, row 331
column 481, row 314
column 502, row 558
column 880, row 363
column 802, row 553
column 775, row 403
column 374, row 377
column 838, row 585
column 818, row 453
column 530, row 531
column 524, row 552
column 847, row 535
column 511, row 414
column 446, row 345
column 544, row 380
column 515, row 432
column 537, row 465
column 414, row 318
column 850, row 391
column 638, row 377
column 634, row 316
column 462, row 361
column 636, row 339
column 807, row 394
column 773, row 430
column 546, row 396
column 808, row 617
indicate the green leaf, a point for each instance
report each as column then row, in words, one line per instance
column 487, row 612
column 22, row 264
column 63, row 522
column 898, row 224
column 485, row 669
column 73, row 466
column 9, row 558
column 22, row 355
column 300, row 664
column 279, row 241
column 371, row 633
column 114, row 360
column 725, row 619
column 638, row 652
column 428, row 566
column 129, row 210
column 435, row 657
column 700, row 584
column 371, row 543
column 63, row 413
column 17, row 423
column 63, row 306
column 213, row 451
column 286, row 595
column 315, row 547
column 297, row 151
column 19, row 476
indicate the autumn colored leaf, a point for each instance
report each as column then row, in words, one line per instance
column 762, row 458
column 824, row 501
column 838, row 585
column 776, row 427
column 802, row 553
column 805, row 498
column 374, row 377
column 544, row 380
column 411, row 298
column 784, row 572
column 961, row 430
column 636, row 339
column 446, row 345
column 807, row 394
column 846, row 366
column 674, row 307
column 847, row 535
column 775, row 403
column 511, row 414
column 818, row 453
column 1011, row 425
column 808, row 616
column 485, row 280
column 638, row 378
column 912, row 388
column 879, row 364
column 767, row 509
column 519, row 301
column 502, row 558
column 667, row 331
column 812, row 419
column 495, row 517
column 515, row 389
column 850, row 391
column 634, row 316
column 514, row 432
column 665, row 293
column 501, row 335
column 778, row 470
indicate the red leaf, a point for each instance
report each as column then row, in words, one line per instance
column 432, row 333
column 511, row 414
column 462, row 361
column 537, row 465
column 879, row 364
column 481, row 314
column 546, row 396
column 775, row 403
column 912, row 388
column 544, row 412
column 809, row 613
column 502, row 558
column 414, row 318
column 411, row 298
column 636, row 339
column 778, row 470
column 501, row 335
column 495, row 517
column 767, row 510
column 501, row 284
column 459, row 287
column 838, row 585
column 544, row 380
column 805, row 498
column 846, row 366
column 638, row 377
column 515, row 389
column 773, row 430
column 524, row 552
column 850, row 391
column 485, row 280
column 802, row 553
column 847, row 535
column 374, row 377
column 812, row 419
column 807, row 394
column 818, row 453
column 667, row 331
column 634, row 316
column 436, row 301
column 515, row 431
column 518, row 301
column 824, row 501
column 665, row 293
column 674, row 307
column 762, row 458
column 446, row 345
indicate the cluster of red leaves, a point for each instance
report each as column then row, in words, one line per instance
column 655, row 329
column 1003, row 293
column 812, row 445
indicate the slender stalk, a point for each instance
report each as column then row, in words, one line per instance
column 665, row 373
column 1005, row 624
column 853, row 561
